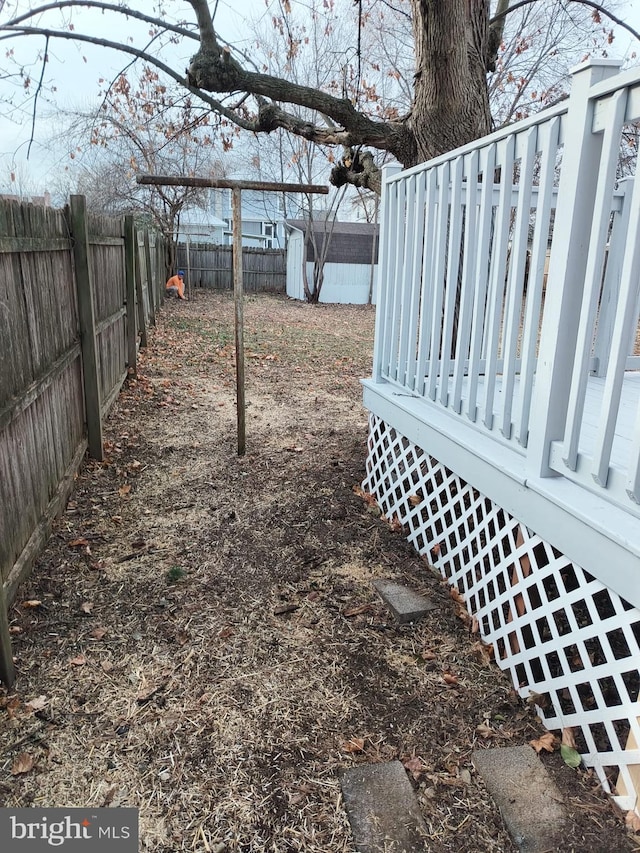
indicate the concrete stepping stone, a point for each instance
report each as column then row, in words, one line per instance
column 406, row 604
column 529, row 800
column 382, row 809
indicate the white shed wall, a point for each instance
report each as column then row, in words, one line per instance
column 343, row 283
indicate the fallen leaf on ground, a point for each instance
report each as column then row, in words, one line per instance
column 22, row 763
column 36, row 704
column 427, row 654
column 537, row 699
column 632, row 821
column 86, row 606
column 450, row 678
column 124, row 490
column 485, row 730
column 98, row 633
column 395, row 524
column 356, row 744
column 80, row 660
column 32, row 602
column 367, row 497
column 78, row 543
column 415, row 766
column 568, row 738
column 570, row 756
column 483, row 653
column 547, row 741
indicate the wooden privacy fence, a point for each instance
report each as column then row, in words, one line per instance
column 208, row 265
column 76, row 294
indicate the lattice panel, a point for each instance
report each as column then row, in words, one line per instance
column 558, row 631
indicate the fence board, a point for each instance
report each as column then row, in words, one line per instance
column 211, row 266
column 43, row 432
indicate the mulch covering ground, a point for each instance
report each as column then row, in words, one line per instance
column 201, row 639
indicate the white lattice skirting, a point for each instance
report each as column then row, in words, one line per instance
column 558, row 631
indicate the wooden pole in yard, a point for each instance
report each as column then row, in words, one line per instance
column 236, row 187
column 130, row 274
column 239, row 318
column 87, row 323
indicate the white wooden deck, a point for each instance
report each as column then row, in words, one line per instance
column 624, row 432
column 505, row 392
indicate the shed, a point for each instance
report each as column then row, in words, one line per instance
column 353, row 246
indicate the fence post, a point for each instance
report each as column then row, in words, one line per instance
column 7, row 668
column 383, row 304
column 87, row 323
column 142, row 319
column 151, row 283
column 567, row 266
column 130, row 274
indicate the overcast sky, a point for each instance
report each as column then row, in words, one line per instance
column 75, row 70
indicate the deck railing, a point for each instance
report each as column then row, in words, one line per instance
column 509, row 282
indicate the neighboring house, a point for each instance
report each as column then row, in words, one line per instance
column 352, row 250
column 505, row 421
column 198, row 225
column 262, row 219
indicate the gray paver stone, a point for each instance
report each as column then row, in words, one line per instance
column 528, row 798
column 382, row 809
column 406, row 604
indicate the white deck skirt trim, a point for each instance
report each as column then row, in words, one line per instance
column 592, row 532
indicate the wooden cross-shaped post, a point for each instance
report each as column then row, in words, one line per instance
column 236, row 187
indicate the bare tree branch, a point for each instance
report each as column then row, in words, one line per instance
column 501, row 13
column 35, row 97
column 13, row 31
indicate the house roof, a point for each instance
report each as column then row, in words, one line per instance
column 350, row 242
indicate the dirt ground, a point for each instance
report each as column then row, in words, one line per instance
column 201, row 639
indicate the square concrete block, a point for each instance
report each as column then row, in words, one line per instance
column 529, row 800
column 382, row 809
column 405, row 604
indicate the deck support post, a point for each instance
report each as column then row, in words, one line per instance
column 567, row 266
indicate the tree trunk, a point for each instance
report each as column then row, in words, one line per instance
column 451, row 103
